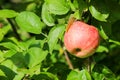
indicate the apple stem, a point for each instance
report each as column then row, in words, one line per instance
column 68, row 60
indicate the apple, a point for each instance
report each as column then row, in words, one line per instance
column 81, row 39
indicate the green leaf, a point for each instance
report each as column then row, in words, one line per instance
column 97, row 15
column 2, row 73
column 108, row 73
column 19, row 60
column 1, row 56
column 76, row 4
column 26, row 44
column 29, row 22
column 98, row 76
column 46, row 16
column 52, row 76
column 19, row 76
column 77, row 14
column 30, row 71
column 79, row 75
column 45, row 76
column 73, row 75
column 5, row 13
column 35, row 70
column 81, row 8
column 35, row 56
column 31, row 7
column 6, row 28
column 10, row 46
column 101, row 72
column 115, row 42
column 58, row 7
column 55, row 33
column 71, row 5
column 9, row 53
column 102, row 33
column 3, row 31
column 59, row 67
column 102, row 49
column 14, row 40
column 118, row 77
column 84, row 75
column 1, row 35
column 9, row 69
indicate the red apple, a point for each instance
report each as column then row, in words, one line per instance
column 81, row 39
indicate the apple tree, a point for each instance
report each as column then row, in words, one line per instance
column 33, row 46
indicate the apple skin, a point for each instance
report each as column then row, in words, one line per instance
column 81, row 39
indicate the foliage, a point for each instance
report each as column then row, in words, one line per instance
column 31, row 40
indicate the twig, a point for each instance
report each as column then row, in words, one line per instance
column 26, row 77
column 14, row 29
column 68, row 60
column 89, row 64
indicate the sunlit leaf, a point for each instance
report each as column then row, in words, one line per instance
column 3, row 31
column 31, row 7
column 10, row 45
column 35, row 56
column 79, row 75
column 29, row 22
column 55, row 33
column 1, row 56
column 6, row 13
column 98, row 76
column 58, row 7
column 19, row 76
column 9, row 53
column 46, row 16
column 113, row 41
column 102, row 49
column 103, row 34
column 84, row 75
column 97, row 15
column 1, row 35
column 2, row 73
column 73, row 75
